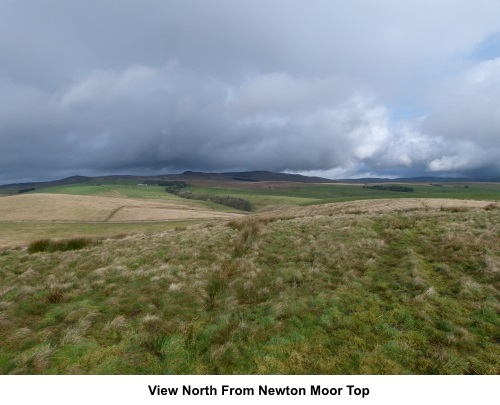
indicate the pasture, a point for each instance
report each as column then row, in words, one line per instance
column 27, row 217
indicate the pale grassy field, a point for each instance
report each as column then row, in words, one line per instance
column 377, row 206
column 79, row 208
column 27, row 217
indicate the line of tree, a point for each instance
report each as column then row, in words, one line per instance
column 172, row 185
column 165, row 183
column 26, row 190
column 177, row 187
column 390, row 187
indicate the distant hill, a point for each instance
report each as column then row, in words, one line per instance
column 60, row 182
column 249, row 177
column 422, row 180
column 252, row 176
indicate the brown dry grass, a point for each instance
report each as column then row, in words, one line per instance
column 76, row 208
column 377, row 206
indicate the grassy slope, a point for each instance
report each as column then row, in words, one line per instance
column 132, row 191
column 413, row 291
column 125, row 190
column 262, row 194
column 21, row 234
column 16, row 234
column 307, row 194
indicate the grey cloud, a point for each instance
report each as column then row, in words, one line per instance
column 466, row 115
column 97, row 87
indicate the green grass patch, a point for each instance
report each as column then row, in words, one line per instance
column 114, row 190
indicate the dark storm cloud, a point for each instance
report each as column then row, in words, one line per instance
column 101, row 87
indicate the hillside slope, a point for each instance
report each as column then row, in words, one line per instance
column 370, row 287
column 81, row 208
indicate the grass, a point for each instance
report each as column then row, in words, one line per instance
column 21, row 234
column 122, row 190
column 269, row 193
column 131, row 191
column 309, row 194
column 320, row 290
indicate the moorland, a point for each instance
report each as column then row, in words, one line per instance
column 118, row 276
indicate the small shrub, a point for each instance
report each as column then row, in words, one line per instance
column 47, row 245
column 75, row 244
column 237, row 225
column 41, row 245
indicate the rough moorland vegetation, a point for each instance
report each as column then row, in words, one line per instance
column 340, row 288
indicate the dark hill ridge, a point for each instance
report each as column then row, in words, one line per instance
column 239, row 177
column 253, row 176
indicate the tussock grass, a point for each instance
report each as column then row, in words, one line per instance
column 491, row 206
column 47, row 245
column 249, row 229
column 337, row 289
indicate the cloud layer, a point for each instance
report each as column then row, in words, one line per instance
column 351, row 90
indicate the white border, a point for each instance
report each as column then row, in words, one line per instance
column 123, row 390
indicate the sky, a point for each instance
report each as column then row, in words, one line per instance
column 339, row 89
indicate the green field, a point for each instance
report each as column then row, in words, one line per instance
column 262, row 195
column 130, row 191
column 123, row 190
column 308, row 194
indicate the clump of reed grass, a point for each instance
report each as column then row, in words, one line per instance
column 249, row 230
column 48, row 245
column 491, row 206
